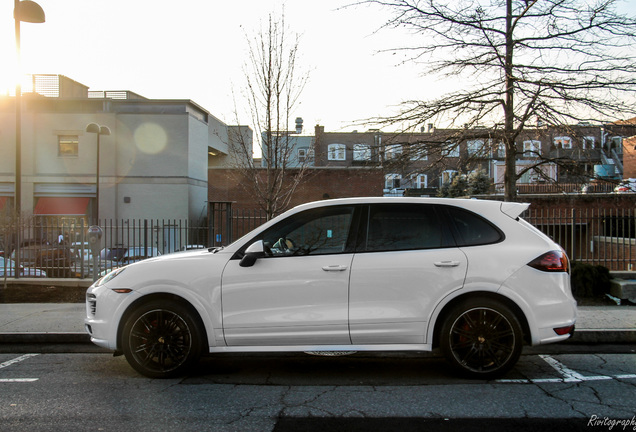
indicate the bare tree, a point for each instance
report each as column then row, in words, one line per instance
column 520, row 63
column 273, row 86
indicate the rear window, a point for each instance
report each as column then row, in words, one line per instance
column 403, row 227
column 471, row 229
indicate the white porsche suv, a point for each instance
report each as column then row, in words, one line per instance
column 361, row 274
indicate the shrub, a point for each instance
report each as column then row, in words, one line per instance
column 590, row 280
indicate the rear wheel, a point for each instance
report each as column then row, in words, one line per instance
column 482, row 338
column 161, row 339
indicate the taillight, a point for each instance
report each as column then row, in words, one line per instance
column 553, row 261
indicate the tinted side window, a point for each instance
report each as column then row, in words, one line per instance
column 313, row 232
column 402, row 227
column 471, row 229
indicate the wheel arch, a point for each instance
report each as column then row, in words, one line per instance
column 166, row 297
column 509, row 303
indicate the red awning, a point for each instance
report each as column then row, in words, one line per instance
column 61, row 206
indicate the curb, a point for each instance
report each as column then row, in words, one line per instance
column 44, row 338
column 603, row 336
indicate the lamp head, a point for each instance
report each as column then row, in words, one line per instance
column 28, row 11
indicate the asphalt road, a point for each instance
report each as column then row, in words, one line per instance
column 587, row 388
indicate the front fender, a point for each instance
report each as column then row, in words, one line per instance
column 208, row 309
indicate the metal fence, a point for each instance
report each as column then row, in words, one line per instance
column 58, row 248
column 604, row 237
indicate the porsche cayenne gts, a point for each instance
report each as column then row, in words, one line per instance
column 468, row 277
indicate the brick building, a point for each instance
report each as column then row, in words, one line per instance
column 318, row 183
column 629, row 157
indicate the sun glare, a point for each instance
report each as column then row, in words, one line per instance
column 9, row 80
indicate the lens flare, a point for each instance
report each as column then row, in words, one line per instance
column 150, row 138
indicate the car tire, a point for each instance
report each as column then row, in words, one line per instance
column 482, row 338
column 162, row 339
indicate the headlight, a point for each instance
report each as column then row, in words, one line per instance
column 110, row 276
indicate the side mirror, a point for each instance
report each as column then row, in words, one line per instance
column 255, row 251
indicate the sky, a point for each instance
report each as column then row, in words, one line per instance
column 196, row 49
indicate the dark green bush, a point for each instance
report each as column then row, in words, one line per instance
column 590, row 280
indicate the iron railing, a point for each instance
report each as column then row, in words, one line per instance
column 58, row 248
column 604, row 237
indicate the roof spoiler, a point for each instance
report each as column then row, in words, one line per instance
column 514, row 209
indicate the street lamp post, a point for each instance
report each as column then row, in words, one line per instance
column 99, row 130
column 26, row 11
column 23, row 11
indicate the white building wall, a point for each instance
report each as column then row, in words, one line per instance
column 153, row 165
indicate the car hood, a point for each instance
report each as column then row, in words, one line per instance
column 175, row 269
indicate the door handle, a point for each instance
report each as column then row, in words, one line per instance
column 447, row 263
column 336, row 268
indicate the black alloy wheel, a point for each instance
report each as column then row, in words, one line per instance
column 161, row 340
column 482, row 338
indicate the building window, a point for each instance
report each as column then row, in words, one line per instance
column 589, row 142
column 450, row 150
column 393, row 151
column 532, row 148
column 337, row 152
column 447, row 176
column 302, row 155
column 474, row 147
column 418, row 153
column 67, row 145
column 419, row 181
column 499, row 150
column 392, row 181
column 361, row 152
column 563, row 142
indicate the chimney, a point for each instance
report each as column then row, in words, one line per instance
column 299, row 125
column 430, row 127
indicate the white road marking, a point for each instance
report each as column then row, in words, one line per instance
column 567, row 375
column 16, row 360
column 12, row 362
column 17, row 380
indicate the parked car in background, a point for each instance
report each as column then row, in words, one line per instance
column 81, row 250
column 469, row 277
column 22, row 272
column 82, row 258
column 192, row 247
column 56, row 260
column 120, row 255
column 627, row 186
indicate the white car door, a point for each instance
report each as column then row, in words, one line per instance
column 406, row 267
column 298, row 293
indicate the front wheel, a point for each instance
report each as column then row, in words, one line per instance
column 161, row 339
column 482, row 338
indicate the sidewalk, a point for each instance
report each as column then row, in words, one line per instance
column 64, row 323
